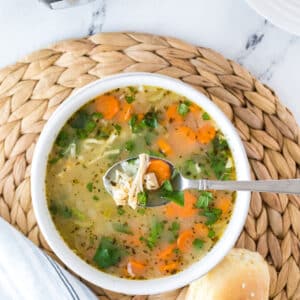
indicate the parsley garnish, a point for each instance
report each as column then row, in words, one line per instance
column 129, row 146
column 108, row 253
column 142, row 199
column 212, row 215
column 205, row 116
column 175, row 196
column 120, row 210
column 150, row 120
column 90, row 186
column 154, row 235
column 198, row 244
column 129, row 99
column 204, row 199
column 183, row 108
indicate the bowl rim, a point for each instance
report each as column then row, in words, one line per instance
column 47, row 226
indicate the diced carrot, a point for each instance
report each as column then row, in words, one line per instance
column 164, row 147
column 172, row 114
column 185, row 240
column 125, row 112
column 186, row 134
column 161, row 170
column 107, row 105
column 206, row 133
column 188, row 210
column 135, row 268
column 167, row 268
column 223, row 203
column 201, row 230
column 194, row 108
column 167, row 252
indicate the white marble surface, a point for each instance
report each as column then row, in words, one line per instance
column 229, row 26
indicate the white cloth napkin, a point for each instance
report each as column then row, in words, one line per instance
column 27, row 273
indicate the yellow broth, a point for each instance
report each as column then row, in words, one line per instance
column 147, row 242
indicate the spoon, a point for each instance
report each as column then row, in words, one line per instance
column 180, row 183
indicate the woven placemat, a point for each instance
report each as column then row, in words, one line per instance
column 33, row 88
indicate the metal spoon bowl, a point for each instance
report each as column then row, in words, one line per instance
column 181, row 183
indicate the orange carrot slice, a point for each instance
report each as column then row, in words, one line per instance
column 223, row 203
column 185, row 240
column 125, row 112
column 188, row 210
column 108, row 106
column 206, row 133
column 172, row 114
column 161, row 170
column 164, row 147
column 135, row 268
column 167, row 252
column 201, row 230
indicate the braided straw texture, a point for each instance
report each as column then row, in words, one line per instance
column 33, row 88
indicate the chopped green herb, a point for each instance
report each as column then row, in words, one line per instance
column 211, row 233
column 142, row 199
column 205, row 116
column 175, row 196
column 174, row 228
column 97, row 115
column 83, row 123
column 108, row 253
column 129, row 146
column 198, row 244
column 118, row 128
column 150, row 120
column 124, row 228
column 204, row 199
column 54, row 160
column 134, row 125
column 183, row 108
column 95, row 197
column 191, row 168
column 90, row 186
column 167, row 186
column 77, row 214
column 212, row 215
column 63, row 139
column 80, row 120
column 65, row 211
column 129, row 99
column 218, row 157
column 120, row 210
column 90, row 126
column 154, row 235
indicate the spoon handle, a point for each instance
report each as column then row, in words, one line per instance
column 287, row 186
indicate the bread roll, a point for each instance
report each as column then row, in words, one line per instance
column 242, row 275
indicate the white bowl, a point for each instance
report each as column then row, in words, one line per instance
column 38, row 172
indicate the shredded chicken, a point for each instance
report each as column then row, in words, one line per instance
column 127, row 188
column 137, row 184
column 151, row 182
